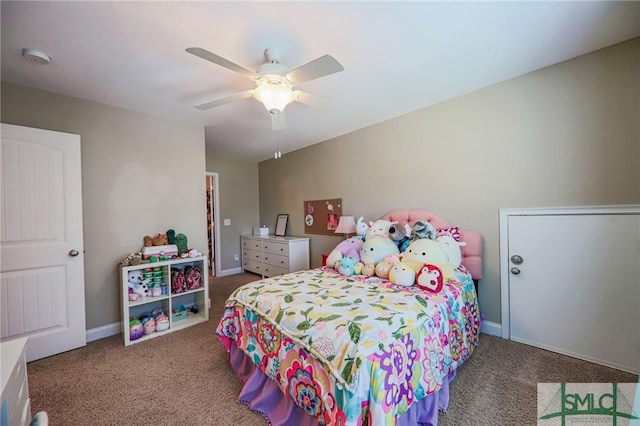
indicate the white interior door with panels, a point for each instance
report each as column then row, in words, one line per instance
column 41, row 245
column 571, row 281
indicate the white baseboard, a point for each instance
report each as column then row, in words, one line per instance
column 492, row 328
column 233, row 271
column 104, row 331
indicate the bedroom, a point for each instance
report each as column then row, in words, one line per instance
column 566, row 133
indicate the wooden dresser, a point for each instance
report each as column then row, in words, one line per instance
column 269, row 255
column 16, row 406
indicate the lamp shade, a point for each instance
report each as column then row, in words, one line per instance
column 346, row 225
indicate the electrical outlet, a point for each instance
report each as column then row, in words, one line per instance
column 236, row 257
column 227, row 222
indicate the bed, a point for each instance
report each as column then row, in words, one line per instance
column 318, row 348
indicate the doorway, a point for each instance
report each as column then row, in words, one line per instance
column 213, row 219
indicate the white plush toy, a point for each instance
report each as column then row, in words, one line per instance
column 452, row 249
column 430, row 252
column 402, row 274
column 379, row 227
column 361, row 228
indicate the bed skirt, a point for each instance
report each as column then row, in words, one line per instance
column 262, row 395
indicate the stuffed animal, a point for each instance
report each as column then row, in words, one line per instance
column 361, row 228
column 430, row 278
column 171, row 236
column 136, row 329
column 426, row 251
column 137, row 284
column 160, row 240
column 384, row 266
column 181, row 242
column 452, row 249
column 423, row 229
column 349, row 248
column 399, row 234
column 162, row 322
column 147, row 241
column 345, row 266
column 149, row 326
column 376, row 248
column 379, row 227
column 402, row 274
column 369, row 270
column 357, row 268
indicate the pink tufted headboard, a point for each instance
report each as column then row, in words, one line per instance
column 471, row 253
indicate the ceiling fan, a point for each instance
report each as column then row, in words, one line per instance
column 274, row 82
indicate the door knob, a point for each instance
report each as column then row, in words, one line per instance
column 73, row 253
column 515, row 271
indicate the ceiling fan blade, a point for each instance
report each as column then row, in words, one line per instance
column 278, row 121
column 319, row 103
column 219, row 60
column 320, row 67
column 226, row 100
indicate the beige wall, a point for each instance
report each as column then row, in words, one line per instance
column 563, row 136
column 238, row 181
column 141, row 174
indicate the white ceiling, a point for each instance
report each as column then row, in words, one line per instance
column 398, row 56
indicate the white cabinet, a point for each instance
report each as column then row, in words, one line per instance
column 269, row 255
column 193, row 297
column 16, row 406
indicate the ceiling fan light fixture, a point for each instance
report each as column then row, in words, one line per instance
column 274, row 97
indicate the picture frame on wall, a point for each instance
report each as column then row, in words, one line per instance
column 281, row 224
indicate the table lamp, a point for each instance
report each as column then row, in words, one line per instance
column 346, row 226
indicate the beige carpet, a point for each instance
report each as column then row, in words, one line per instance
column 184, row 378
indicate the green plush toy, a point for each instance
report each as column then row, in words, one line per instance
column 181, row 242
column 171, row 236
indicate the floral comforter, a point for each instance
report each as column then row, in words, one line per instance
column 353, row 350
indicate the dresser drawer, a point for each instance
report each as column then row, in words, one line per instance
column 272, row 271
column 256, row 256
column 276, row 260
column 251, row 244
column 250, row 265
column 15, row 391
column 274, row 247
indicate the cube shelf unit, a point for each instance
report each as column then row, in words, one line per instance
column 198, row 298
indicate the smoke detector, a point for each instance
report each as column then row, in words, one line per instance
column 34, row 55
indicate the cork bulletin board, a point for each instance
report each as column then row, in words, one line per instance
column 321, row 216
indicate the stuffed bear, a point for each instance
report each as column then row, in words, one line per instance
column 402, row 274
column 423, row 229
column 148, row 241
column 160, row 240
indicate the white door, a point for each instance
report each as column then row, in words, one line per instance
column 576, row 288
column 41, row 246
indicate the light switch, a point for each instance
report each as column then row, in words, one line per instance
column 227, row 222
